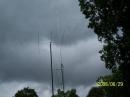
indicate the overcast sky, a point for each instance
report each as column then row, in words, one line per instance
column 26, row 27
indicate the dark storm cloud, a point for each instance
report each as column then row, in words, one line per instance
column 22, row 19
column 82, row 63
column 22, row 60
column 25, row 63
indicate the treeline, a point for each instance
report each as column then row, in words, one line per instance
column 28, row 92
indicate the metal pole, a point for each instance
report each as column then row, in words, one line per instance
column 62, row 76
column 62, row 72
column 51, row 70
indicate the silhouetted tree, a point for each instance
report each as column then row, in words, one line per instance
column 69, row 93
column 59, row 93
column 26, row 92
column 110, row 20
column 96, row 92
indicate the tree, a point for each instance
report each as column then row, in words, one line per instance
column 69, row 93
column 59, row 93
column 96, row 92
column 26, row 92
column 110, row 20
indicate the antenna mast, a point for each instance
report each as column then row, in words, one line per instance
column 62, row 70
column 51, row 69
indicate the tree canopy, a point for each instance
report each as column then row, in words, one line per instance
column 96, row 92
column 26, row 92
column 110, row 20
column 69, row 93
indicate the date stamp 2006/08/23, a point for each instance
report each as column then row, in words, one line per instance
column 113, row 84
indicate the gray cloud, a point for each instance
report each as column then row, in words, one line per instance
column 6, row 89
column 82, row 63
column 23, row 60
column 21, row 20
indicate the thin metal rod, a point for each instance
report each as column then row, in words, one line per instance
column 38, row 43
column 62, row 72
column 62, row 76
column 51, row 70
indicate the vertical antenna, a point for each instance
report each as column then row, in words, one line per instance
column 62, row 66
column 51, row 67
column 38, row 44
column 60, row 56
column 62, row 76
column 62, row 72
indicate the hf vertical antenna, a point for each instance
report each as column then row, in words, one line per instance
column 62, row 72
column 51, row 69
column 38, row 43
